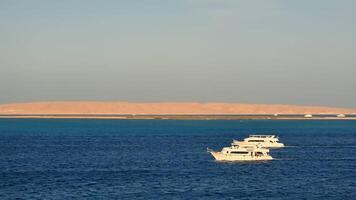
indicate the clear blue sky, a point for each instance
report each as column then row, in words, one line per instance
column 267, row 51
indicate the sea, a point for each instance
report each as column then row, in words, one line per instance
column 167, row 159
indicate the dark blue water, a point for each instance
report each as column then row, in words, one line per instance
column 167, row 159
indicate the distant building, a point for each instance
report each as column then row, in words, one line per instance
column 308, row 116
column 340, row 115
column 276, row 115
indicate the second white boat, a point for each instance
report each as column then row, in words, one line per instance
column 267, row 141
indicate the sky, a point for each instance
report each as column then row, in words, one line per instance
column 258, row 51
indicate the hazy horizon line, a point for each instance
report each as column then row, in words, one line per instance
column 172, row 102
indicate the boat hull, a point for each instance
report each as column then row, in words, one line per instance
column 228, row 157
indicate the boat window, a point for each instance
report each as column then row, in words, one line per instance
column 256, row 141
column 239, row 152
column 259, row 153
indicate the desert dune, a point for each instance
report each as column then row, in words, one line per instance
column 93, row 108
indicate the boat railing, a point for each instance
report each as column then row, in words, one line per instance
column 263, row 136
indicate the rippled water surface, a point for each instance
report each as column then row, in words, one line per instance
column 167, row 159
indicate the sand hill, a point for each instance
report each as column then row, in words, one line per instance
column 163, row 108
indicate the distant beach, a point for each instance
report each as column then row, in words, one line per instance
column 168, row 110
column 187, row 117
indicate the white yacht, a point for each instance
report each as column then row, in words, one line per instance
column 267, row 141
column 238, row 152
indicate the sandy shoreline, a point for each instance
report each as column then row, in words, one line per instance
column 170, row 110
column 182, row 117
column 163, row 108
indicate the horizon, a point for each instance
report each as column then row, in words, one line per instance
column 170, row 102
column 250, row 52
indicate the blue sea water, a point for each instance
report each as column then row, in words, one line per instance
column 167, row 159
